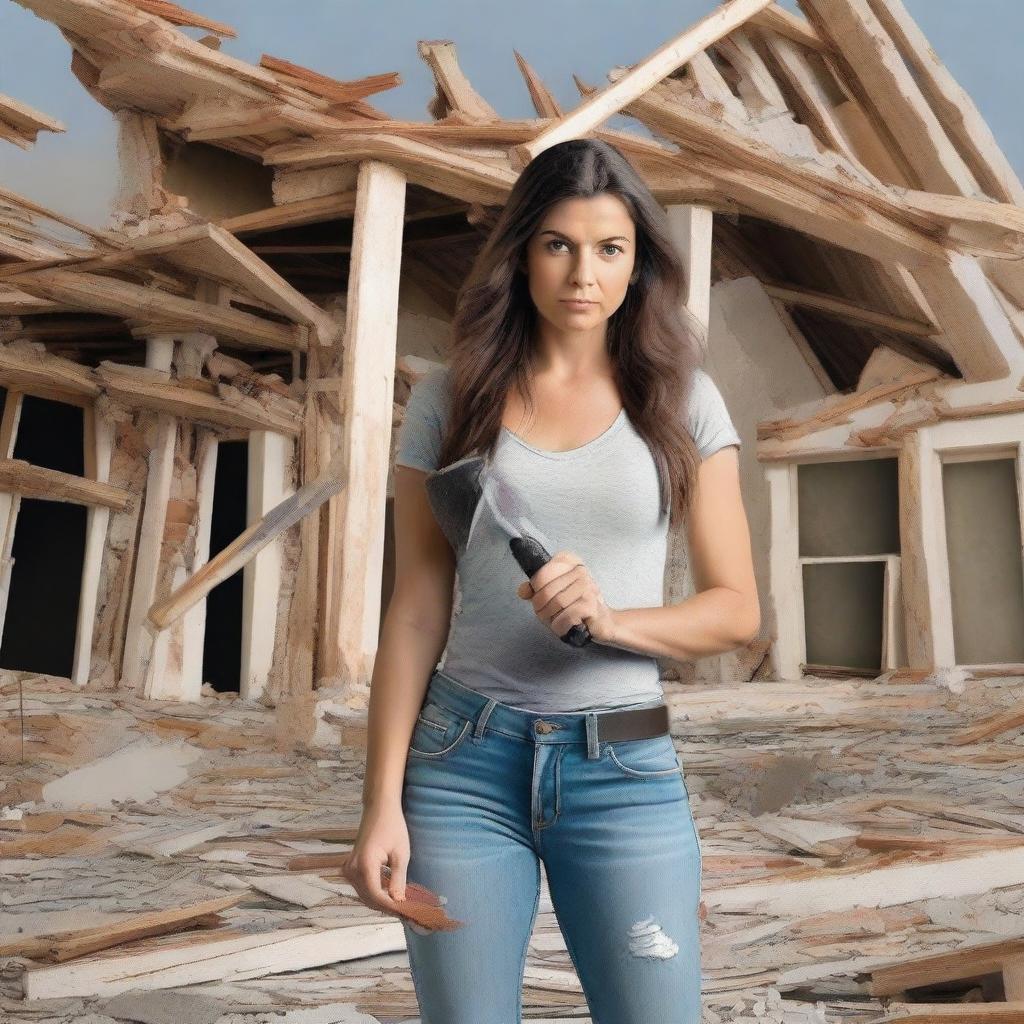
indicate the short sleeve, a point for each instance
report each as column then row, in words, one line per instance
column 707, row 416
column 422, row 429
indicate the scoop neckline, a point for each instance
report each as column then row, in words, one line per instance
column 570, row 453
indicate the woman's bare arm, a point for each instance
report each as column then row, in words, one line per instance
column 414, row 634
column 725, row 612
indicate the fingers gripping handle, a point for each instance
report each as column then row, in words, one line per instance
column 531, row 556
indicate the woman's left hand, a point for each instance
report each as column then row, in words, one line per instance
column 564, row 593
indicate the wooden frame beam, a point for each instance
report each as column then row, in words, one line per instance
column 871, row 61
column 596, row 109
column 163, row 311
column 355, row 545
column 28, row 481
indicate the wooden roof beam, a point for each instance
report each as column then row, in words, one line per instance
column 144, row 305
column 20, row 123
column 543, row 101
column 595, row 110
column 442, row 170
column 455, row 94
column 870, row 61
column 27, row 368
column 815, row 200
column 206, row 251
column 791, row 26
column 960, row 117
column 332, row 89
column 176, row 15
column 845, row 309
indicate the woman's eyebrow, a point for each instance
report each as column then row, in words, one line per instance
column 613, row 238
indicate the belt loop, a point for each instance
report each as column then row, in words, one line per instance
column 592, row 743
column 482, row 719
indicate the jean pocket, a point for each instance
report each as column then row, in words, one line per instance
column 651, row 758
column 438, row 731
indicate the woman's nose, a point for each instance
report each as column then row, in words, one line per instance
column 583, row 271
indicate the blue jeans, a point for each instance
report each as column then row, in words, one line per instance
column 489, row 792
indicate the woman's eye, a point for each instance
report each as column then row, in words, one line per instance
column 616, row 248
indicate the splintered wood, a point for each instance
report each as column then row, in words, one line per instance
column 20, row 123
column 862, row 842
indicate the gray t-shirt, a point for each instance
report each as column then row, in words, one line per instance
column 602, row 502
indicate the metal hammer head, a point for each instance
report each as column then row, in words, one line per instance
column 454, row 496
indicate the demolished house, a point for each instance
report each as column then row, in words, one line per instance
column 200, row 408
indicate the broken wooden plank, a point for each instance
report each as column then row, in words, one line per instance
column 248, row 543
column 20, row 477
column 648, row 72
column 234, row 959
column 790, row 26
column 882, row 886
column 957, row 111
column 872, row 60
column 455, row 94
column 151, row 306
column 221, row 404
column 180, row 16
column 20, row 123
column 60, row 947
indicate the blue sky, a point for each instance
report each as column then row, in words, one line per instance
column 75, row 172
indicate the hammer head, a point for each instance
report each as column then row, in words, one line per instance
column 454, row 496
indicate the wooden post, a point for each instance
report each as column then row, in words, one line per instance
column 914, row 519
column 269, row 457
column 194, row 620
column 934, row 558
column 159, row 351
column 789, row 650
column 99, row 442
column 355, row 552
column 692, row 228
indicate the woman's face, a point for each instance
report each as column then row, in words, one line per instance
column 582, row 249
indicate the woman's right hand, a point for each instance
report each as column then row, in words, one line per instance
column 382, row 839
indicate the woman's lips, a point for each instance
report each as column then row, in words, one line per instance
column 577, row 304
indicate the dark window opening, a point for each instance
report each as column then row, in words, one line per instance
column 46, row 582
column 222, row 646
column 52, row 435
column 41, row 622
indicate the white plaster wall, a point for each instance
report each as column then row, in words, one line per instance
column 761, row 375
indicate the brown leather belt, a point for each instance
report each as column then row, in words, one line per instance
column 633, row 723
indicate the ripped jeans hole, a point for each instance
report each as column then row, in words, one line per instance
column 647, row 939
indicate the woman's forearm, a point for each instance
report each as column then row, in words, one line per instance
column 406, row 657
column 715, row 620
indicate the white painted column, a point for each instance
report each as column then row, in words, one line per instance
column 270, row 455
column 789, row 650
column 691, row 231
column 138, row 639
column 194, row 620
column 101, row 438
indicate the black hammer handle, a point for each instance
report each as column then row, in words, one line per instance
column 530, row 555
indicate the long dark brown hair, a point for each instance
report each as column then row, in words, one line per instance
column 653, row 341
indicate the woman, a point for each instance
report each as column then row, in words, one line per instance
column 516, row 747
